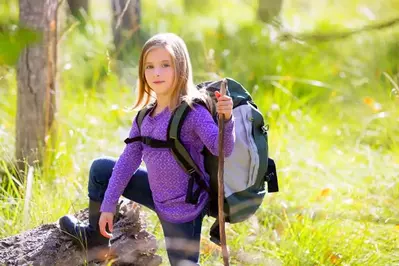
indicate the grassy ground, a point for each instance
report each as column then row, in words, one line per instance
column 331, row 109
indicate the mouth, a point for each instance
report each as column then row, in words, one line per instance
column 158, row 81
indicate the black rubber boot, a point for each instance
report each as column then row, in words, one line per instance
column 87, row 236
column 214, row 233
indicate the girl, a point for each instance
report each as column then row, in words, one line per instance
column 165, row 74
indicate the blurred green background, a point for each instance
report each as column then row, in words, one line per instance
column 332, row 107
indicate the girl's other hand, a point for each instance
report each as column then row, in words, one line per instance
column 224, row 105
column 106, row 218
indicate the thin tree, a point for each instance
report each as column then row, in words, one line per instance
column 79, row 9
column 126, row 25
column 36, row 73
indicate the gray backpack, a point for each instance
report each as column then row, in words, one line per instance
column 246, row 169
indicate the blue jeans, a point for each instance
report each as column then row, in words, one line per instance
column 182, row 239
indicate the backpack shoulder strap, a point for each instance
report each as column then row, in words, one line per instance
column 174, row 130
column 141, row 114
column 182, row 156
column 139, row 119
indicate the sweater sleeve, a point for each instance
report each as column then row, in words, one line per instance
column 126, row 165
column 208, row 131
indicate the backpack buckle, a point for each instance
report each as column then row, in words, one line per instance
column 265, row 128
column 191, row 171
column 146, row 141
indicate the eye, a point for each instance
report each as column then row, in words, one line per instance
column 165, row 65
column 149, row 67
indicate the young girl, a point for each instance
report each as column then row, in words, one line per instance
column 165, row 74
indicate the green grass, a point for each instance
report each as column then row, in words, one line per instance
column 332, row 114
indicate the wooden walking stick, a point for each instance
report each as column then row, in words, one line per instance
column 221, row 181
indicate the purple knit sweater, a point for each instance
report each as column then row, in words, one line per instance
column 168, row 181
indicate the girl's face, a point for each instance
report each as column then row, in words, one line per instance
column 159, row 71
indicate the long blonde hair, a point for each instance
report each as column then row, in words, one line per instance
column 183, row 88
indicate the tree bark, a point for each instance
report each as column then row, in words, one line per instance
column 47, row 245
column 268, row 10
column 36, row 76
column 126, row 25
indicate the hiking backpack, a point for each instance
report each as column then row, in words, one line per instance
column 245, row 171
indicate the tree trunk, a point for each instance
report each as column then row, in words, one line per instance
column 79, row 9
column 47, row 245
column 269, row 10
column 36, row 81
column 126, row 25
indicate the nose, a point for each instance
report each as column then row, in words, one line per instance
column 157, row 71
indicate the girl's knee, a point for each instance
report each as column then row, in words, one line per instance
column 101, row 170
